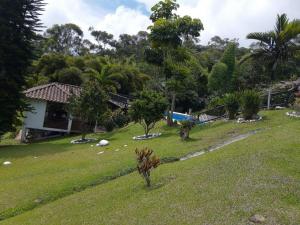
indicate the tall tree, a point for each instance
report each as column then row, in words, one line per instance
column 148, row 109
column 167, row 35
column 133, row 45
column 105, row 42
column 221, row 78
column 19, row 21
column 89, row 106
column 164, row 9
column 116, row 76
column 65, row 39
column 278, row 46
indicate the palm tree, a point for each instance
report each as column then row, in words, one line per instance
column 116, row 76
column 277, row 46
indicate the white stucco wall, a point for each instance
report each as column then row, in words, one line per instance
column 35, row 119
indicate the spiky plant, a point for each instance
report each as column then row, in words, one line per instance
column 250, row 102
column 231, row 104
column 146, row 162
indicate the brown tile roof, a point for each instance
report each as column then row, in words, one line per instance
column 53, row 92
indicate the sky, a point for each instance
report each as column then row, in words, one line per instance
column 225, row 18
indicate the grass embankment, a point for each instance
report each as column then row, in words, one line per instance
column 185, row 191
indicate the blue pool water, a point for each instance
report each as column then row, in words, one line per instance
column 181, row 117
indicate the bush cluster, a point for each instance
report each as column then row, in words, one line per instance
column 120, row 118
column 231, row 104
column 248, row 102
column 117, row 119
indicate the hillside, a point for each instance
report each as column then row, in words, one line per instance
column 259, row 174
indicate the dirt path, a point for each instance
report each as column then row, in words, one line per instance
column 221, row 145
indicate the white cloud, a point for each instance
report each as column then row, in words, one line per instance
column 71, row 11
column 148, row 3
column 235, row 18
column 124, row 20
column 226, row 18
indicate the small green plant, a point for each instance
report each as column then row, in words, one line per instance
column 250, row 102
column 146, row 162
column 231, row 104
column 185, row 129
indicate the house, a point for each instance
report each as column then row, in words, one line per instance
column 48, row 113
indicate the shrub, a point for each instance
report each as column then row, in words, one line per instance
column 146, row 161
column 120, row 119
column 148, row 109
column 70, row 75
column 214, row 102
column 250, row 102
column 215, row 107
column 231, row 104
column 109, row 125
column 185, row 128
column 217, row 77
column 88, row 106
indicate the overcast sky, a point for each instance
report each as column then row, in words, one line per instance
column 226, row 18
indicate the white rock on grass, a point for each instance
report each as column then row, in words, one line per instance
column 143, row 137
column 6, row 163
column 293, row 114
column 242, row 120
column 83, row 141
column 257, row 218
column 125, row 145
column 103, row 143
column 99, row 153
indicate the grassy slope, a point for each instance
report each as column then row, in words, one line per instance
column 258, row 175
column 61, row 166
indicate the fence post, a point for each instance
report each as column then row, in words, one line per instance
column 269, row 98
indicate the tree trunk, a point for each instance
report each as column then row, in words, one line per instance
column 231, row 115
column 170, row 122
column 147, row 178
column 273, row 71
column 146, row 131
column 184, row 134
column 83, row 130
column 169, row 118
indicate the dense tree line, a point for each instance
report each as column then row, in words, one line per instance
column 19, row 22
column 167, row 58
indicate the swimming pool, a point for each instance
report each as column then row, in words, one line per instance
column 180, row 116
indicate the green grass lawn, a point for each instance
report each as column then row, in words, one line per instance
column 259, row 174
